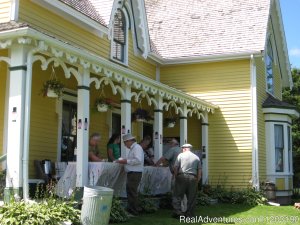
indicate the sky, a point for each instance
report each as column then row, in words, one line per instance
column 290, row 10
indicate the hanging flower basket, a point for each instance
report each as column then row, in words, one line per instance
column 140, row 115
column 52, row 88
column 103, row 104
column 170, row 122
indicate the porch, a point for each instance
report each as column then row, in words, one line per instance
column 34, row 125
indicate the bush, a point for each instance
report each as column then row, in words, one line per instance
column 47, row 212
column 2, row 183
column 117, row 213
column 248, row 196
column 148, row 205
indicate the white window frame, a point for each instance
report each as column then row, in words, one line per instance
column 125, row 59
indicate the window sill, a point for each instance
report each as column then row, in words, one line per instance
column 125, row 64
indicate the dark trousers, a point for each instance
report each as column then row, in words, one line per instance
column 185, row 184
column 133, row 181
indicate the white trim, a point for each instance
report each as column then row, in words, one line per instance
column 290, row 112
column 125, row 60
column 255, row 166
column 14, row 10
column 73, row 16
column 203, row 59
column 285, row 49
column 107, row 64
column 109, row 120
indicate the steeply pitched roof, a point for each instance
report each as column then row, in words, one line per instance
column 87, row 8
column 195, row 28
column 272, row 102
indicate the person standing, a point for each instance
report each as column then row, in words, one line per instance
column 187, row 171
column 113, row 148
column 134, row 166
column 170, row 155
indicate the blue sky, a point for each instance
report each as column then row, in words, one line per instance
column 290, row 10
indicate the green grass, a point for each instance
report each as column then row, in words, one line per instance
column 283, row 215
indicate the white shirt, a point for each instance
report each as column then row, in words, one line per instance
column 135, row 159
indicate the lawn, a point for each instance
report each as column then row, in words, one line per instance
column 231, row 214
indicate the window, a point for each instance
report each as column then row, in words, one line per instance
column 289, row 147
column 119, row 37
column 279, row 146
column 269, row 67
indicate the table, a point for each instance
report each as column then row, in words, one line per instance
column 155, row 180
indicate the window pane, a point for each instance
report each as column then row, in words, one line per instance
column 269, row 67
column 279, row 145
column 119, row 36
column 289, row 147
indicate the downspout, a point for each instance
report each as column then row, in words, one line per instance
column 27, row 121
column 255, row 172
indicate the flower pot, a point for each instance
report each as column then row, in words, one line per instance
column 171, row 124
column 140, row 120
column 51, row 93
column 102, row 107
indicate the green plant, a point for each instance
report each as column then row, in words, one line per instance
column 103, row 101
column 170, row 121
column 48, row 212
column 117, row 213
column 52, row 84
column 166, row 201
column 147, row 204
column 2, row 183
column 140, row 114
column 203, row 199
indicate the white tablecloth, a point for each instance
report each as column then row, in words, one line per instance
column 155, row 180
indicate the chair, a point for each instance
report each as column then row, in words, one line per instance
column 60, row 168
column 40, row 172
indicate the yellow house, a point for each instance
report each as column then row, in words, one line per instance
column 217, row 66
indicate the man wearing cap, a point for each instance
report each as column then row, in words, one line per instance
column 187, row 171
column 134, row 165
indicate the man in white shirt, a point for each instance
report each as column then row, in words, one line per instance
column 134, row 166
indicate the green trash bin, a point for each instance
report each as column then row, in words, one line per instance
column 96, row 205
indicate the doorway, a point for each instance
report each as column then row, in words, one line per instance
column 69, row 131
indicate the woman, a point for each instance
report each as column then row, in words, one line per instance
column 113, row 148
column 93, row 148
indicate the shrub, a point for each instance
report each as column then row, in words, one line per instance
column 48, row 212
column 2, row 183
column 117, row 213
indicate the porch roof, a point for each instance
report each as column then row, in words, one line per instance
column 70, row 53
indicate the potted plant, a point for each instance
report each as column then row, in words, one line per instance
column 170, row 122
column 52, row 88
column 103, row 104
column 140, row 115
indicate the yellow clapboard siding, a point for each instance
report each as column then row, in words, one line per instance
column 226, row 84
column 5, row 11
column 280, row 184
column 65, row 30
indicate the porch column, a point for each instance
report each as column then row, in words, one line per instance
column 83, row 119
column 158, row 128
column 16, row 107
column 204, row 124
column 125, row 116
column 183, row 126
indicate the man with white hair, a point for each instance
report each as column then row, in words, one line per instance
column 134, row 166
column 187, row 171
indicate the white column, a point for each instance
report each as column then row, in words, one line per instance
column 16, row 106
column 83, row 120
column 158, row 128
column 125, row 116
column 183, row 126
column 204, row 124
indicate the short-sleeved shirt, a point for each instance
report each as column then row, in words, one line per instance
column 171, row 155
column 188, row 163
column 115, row 150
